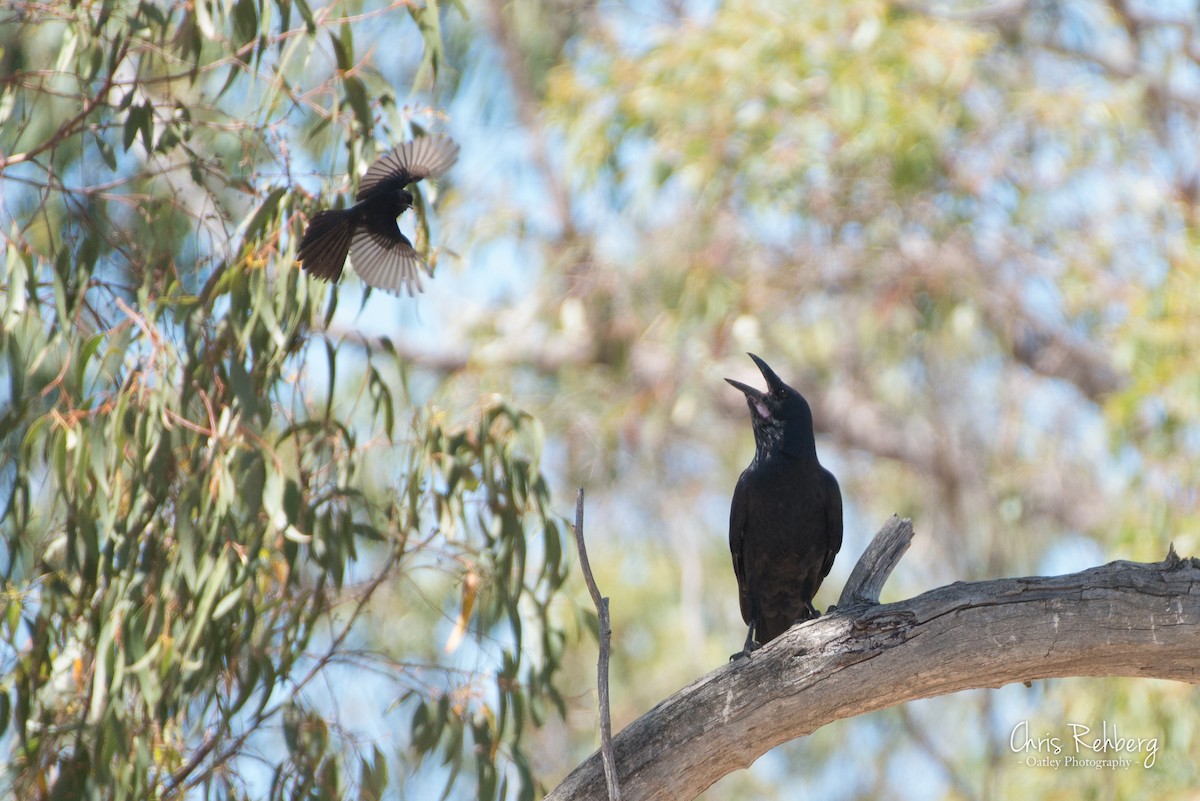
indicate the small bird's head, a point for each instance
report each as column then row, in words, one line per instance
column 406, row 199
column 781, row 416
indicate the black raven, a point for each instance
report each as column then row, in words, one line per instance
column 785, row 523
column 382, row 256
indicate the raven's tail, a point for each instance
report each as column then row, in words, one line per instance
column 326, row 242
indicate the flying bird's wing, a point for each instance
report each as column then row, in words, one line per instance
column 833, row 520
column 423, row 157
column 737, row 532
column 386, row 260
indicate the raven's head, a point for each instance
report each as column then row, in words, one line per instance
column 781, row 416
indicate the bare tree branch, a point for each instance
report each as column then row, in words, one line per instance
column 842, row 411
column 1000, row 11
column 877, row 562
column 1053, row 352
column 606, row 748
column 1121, row 619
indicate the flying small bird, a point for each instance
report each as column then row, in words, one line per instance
column 381, row 255
column 785, row 523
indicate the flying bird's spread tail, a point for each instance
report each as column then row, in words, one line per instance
column 785, row 522
column 326, row 243
column 367, row 231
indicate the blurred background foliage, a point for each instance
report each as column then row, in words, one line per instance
column 265, row 538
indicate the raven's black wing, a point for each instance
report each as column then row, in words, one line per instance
column 386, row 260
column 833, row 520
column 408, row 163
column 738, row 515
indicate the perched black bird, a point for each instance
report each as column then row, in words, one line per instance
column 785, row 524
column 382, row 256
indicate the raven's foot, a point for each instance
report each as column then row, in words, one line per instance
column 751, row 643
column 750, row 648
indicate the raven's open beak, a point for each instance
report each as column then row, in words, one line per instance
column 747, row 390
column 758, row 398
column 774, row 382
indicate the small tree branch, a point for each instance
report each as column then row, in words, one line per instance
column 877, row 562
column 1121, row 619
column 606, row 744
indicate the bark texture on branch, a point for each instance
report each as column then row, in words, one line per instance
column 1120, row 619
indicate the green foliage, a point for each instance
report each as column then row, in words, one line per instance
column 842, row 86
column 1158, row 411
column 197, row 522
column 182, row 519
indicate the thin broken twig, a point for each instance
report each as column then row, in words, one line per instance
column 606, row 746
